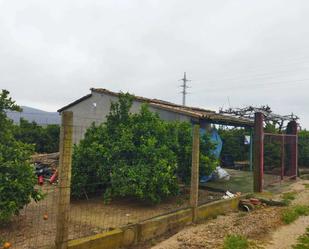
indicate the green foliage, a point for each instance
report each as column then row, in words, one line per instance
column 182, row 147
column 134, row 155
column 233, row 143
column 303, row 148
column 235, row 242
column 303, row 241
column 17, row 176
column 45, row 139
column 288, row 197
column 291, row 214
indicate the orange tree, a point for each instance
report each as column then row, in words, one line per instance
column 17, row 178
column 137, row 155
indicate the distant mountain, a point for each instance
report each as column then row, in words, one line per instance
column 32, row 114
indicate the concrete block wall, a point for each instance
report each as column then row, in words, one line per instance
column 152, row 228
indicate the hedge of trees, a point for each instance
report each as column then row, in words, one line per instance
column 44, row 138
column 17, row 176
column 137, row 155
column 233, row 144
column 303, row 148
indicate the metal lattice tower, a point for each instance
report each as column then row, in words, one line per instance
column 184, row 89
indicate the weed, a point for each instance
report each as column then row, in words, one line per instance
column 302, row 210
column 306, row 186
column 291, row 214
column 288, row 197
column 235, row 242
column 303, row 241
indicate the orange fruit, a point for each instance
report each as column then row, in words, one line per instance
column 7, row 245
column 45, row 217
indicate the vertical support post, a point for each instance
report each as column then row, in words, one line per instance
column 251, row 151
column 292, row 130
column 65, row 163
column 258, row 152
column 195, row 171
column 282, row 156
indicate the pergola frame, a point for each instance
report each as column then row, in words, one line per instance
column 197, row 123
column 257, row 129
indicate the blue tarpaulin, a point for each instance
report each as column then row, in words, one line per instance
column 216, row 139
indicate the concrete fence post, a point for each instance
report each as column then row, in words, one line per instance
column 195, row 171
column 64, row 187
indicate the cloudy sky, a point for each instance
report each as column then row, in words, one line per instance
column 235, row 52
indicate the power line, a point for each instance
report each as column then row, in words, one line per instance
column 256, row 86
column 184, row 88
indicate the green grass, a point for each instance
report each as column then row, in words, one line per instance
column 235, row 242
column 288, row 197
column 291, row 214
column 306, row 186
column 303, row 241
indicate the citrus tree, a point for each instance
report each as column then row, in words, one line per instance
column 17, row 178
column 137, row 155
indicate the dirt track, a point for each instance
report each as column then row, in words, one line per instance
column 257, row 226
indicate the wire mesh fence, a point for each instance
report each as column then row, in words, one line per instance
column 278, row 158
column 236, row 162
column 90, row 210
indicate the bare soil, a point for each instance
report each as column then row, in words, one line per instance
column 30, row 230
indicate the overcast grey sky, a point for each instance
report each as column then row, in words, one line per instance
column 250, row 51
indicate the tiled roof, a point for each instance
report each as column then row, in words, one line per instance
column 193, row 112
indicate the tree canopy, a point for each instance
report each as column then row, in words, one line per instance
column 16, row 173
column 136, row 155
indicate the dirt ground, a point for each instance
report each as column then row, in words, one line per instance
column 30, row 230
column 263, row 227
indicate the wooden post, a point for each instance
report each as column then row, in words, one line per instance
column 195, row 171
column 258, row 152
column 293, row 148
column 65, row 163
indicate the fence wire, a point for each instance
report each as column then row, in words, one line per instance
column 90, row 213
column 278, row 164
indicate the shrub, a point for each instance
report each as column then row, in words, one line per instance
column 134, row 155
column 16, row 174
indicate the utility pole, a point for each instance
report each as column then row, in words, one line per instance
column 184, row 89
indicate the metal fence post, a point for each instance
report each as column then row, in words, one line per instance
column 195, row 171
column 65, row 163
column 258, row 152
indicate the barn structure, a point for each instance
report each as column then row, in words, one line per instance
column 94, row 107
